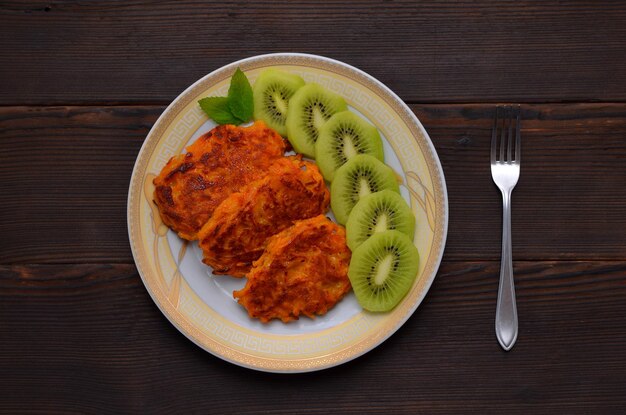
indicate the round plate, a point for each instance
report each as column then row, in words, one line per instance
column 201, row 306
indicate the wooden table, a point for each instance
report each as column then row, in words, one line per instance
column 81, row 84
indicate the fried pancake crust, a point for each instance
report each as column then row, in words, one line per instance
column 237, row 233
column 304, row 270
column 222, row 161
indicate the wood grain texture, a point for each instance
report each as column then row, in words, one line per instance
column 82, row 83
column 64, row 179
column 64, row 175
column 570, row 201
column 87, row 338
column 68, row 52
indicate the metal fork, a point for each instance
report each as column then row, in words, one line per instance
column 505, row 173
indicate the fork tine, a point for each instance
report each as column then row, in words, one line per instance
column 494, row 135
column 510, row 142
column 503, row 135
column 517, row 135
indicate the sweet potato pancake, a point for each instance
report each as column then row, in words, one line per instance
column 237, row 233
column 304, row 270
column 221, row 162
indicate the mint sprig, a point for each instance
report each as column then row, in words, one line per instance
column 236, row 108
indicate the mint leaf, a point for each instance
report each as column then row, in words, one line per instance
column 240, row 100
column 217, row 108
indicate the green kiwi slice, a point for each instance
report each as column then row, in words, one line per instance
column 383, row 269
column 310, row 108
column 272, row 91
column 378, row 212
column 342, row 137
column 360, row 176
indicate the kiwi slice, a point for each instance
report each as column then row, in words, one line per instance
column 360, row 176
column 272, row 91
column 344, row 136
column 378, row 212
column 309, row 108
column 382, row 270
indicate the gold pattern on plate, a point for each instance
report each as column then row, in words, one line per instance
column 160, row 230
column 174, row 289
column 427, row 203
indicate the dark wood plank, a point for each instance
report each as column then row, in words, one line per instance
column 570, row 201
column 64, row 179
column 64, row 174
column 68, row 52
column 87, row 338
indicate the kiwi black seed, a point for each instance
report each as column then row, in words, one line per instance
column 379, row 212
column 272, row 91
column 309, row 109
column 360, row 176
column 344, row 136
column 383, row 269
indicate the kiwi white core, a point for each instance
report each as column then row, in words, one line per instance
column 280, row 103
column 364, row 187
column 348, row 147
column 318, row 117
column 381, row 223
column 383, row 269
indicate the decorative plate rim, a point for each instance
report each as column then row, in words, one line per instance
column 323, row 361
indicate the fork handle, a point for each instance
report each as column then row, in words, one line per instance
column 506, row 310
